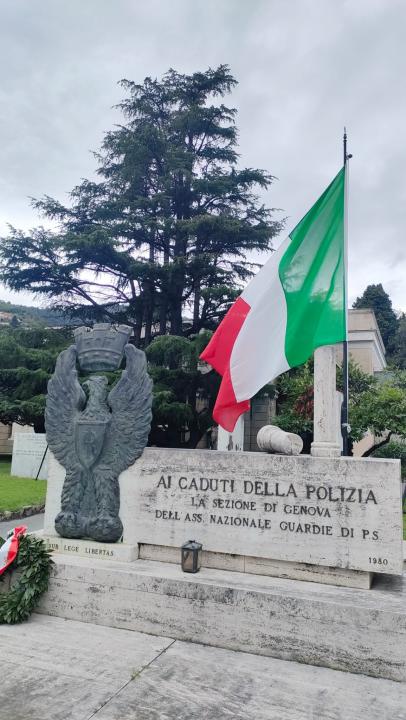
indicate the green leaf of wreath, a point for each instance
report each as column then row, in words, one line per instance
column 32, row 567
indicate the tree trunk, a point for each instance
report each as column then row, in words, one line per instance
column 179, row 255
column 163, row 308
column 176, row 291
column 149, row 302
column 149, row 297
column 197, row 282
column 176, row 311
column 196, row 309
column 148, row 325
column 378, row 445
column 138, row 323
column 163, row 300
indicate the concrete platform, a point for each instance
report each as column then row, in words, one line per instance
column 58, row 669
column 360, row 631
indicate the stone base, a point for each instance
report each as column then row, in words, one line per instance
column 264, row 566
column 341, row 628
column 121, row 552
column 58, row 669
column 325, row 449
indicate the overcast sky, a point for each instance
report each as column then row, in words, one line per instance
column 305, row 69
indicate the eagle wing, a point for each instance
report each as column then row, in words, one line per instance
column 65, row 400
column 130, row 402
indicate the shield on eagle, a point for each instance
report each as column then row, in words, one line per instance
column 89, row 438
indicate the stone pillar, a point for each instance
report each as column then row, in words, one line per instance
column 234, row 440
column 325, row 433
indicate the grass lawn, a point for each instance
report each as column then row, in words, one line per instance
column 16, row 492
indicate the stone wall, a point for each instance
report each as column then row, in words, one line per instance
column 6, row 444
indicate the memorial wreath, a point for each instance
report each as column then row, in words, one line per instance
column 30, row 559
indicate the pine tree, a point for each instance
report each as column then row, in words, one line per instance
column 27, row 361
column 163, row 235
column 184, row 392
column 399, row 357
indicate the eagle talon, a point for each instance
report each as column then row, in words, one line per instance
column 105, row 528
column 69, row 525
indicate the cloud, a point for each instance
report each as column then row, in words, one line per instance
column 305, row 69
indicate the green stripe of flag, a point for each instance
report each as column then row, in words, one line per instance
column 312, row 276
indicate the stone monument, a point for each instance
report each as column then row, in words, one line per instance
column 96, row 436
column 302, row 555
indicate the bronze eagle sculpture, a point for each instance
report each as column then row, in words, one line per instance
column 96, row 438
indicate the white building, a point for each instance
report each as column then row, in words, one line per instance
column 365, row 342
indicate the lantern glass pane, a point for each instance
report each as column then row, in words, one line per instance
column 191, row 556
column 188, row 561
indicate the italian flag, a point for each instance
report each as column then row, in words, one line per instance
column 9, row 549
column 295, row 304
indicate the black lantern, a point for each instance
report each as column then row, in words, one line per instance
column 191, row 556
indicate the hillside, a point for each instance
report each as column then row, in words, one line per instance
column 31, row 315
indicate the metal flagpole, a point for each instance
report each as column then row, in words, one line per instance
column 344, row 409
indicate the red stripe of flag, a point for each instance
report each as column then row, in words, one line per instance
column 218, row 353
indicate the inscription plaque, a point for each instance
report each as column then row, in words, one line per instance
column 335, row 512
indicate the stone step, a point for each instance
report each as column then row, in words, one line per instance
column 58, row 669
column 360, row 631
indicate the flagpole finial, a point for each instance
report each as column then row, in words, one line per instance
column 347, row 156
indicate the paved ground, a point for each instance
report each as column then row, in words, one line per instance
column 55, row 669
column 34, row 522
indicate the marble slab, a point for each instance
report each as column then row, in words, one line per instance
column 51, row 674
column 359, row 631
column 330, row 512
column 333, row 512
column 193, row 682
column 28, row 451
column 59, row 670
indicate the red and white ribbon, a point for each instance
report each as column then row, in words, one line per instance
column 9, row 550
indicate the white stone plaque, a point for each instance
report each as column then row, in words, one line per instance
column 335, row 512
column 28, row 451
column 89, row 548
